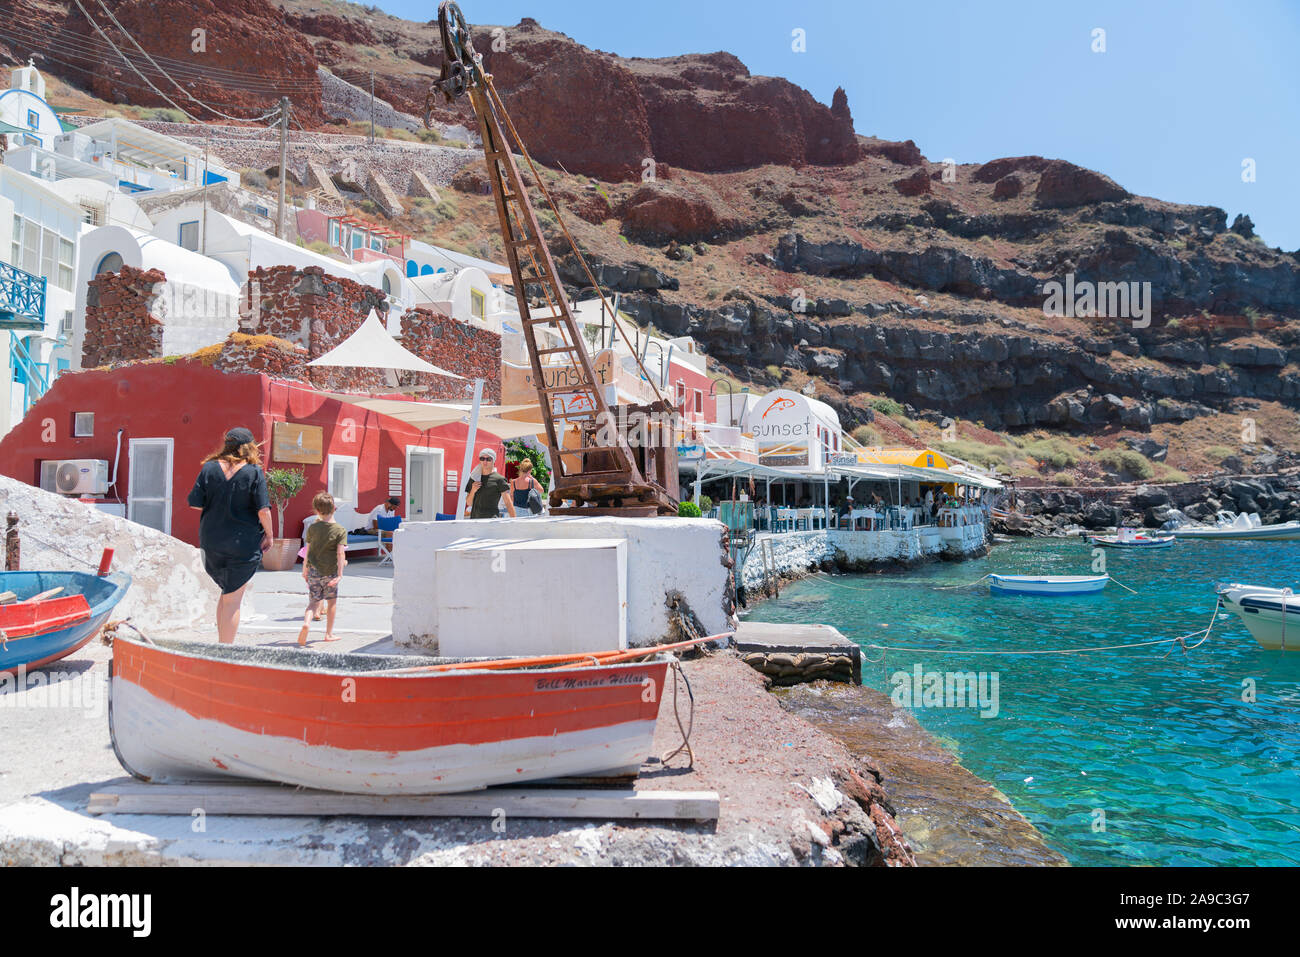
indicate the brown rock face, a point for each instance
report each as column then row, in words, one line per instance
column 1008, row 187
column 247, row 38
column 994, row 170
column 906, row 153
column 918, row 184
column 603, row 115
column 1064, row 184
column 659, row 211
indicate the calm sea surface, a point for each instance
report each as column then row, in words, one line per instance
column 1132, row 756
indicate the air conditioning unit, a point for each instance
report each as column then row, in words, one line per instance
column 75, row 476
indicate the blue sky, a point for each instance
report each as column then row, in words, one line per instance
column 1184, row 92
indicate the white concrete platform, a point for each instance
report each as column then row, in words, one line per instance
column 671, row 563
column 551, row 596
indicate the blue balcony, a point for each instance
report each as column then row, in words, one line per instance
column 22, row 299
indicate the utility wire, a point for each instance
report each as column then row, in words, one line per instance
column 126, row 33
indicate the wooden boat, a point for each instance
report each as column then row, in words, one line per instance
column 54, row 614
column 1271, row 615
column 1131, row 538
column 1047, row 584
column 377, row 724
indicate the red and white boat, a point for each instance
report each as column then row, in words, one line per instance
column 376, row 724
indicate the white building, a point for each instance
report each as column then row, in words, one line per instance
column 25, row 118
column 198, row 303
column 793, row 430
column 43, row 227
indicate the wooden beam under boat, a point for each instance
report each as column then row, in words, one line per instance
column 256, row 799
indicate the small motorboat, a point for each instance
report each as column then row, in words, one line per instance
column 52, row 614
column 1047, row 584
column 378, row 724
column 1131, row 538
column 1240, row 528
column 1271, row 615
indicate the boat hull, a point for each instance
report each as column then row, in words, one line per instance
column 1270, row 615
column 182, row 712
column 1267, row 533
column 34, row 651
column 1110, row 542
column 1047, row 584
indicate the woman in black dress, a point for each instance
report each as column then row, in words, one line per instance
column 235, row 527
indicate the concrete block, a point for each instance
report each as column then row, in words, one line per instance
column 499, row 598
column 679, row 558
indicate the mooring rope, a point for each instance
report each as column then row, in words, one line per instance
column 24, row 534
column 1179, row 639
column 690, row 720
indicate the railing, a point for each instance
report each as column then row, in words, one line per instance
column 34, row 376
column 22, row 298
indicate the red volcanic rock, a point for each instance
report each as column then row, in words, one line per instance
column 662, row 211
column 918, row 184
column 343, row 29
column 906, row 153
column 248, row 37
column 604, row 115
column 1008, row 186
column 472, row 178
column 994, row 170
column 1064, row 184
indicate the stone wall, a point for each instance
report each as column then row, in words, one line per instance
column 454, row 346
column 265, row 355
column 120, row 317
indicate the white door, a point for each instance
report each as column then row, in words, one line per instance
column 149, row 484
column 423, row 484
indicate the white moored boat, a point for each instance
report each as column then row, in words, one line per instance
column 1047, row 584
column 1131, row 538
column 1242, row 528
column 1271, row 615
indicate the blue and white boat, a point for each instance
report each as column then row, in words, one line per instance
column 53, row 614
column 1271, row 615
column 1047, row 584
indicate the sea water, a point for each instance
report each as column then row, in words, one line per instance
column 1158, row 754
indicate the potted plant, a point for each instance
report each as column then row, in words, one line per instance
column 282, row 485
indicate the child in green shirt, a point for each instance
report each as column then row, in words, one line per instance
column 326, row 545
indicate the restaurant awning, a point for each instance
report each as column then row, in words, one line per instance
column 430, row 415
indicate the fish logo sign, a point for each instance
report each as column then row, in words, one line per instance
column 780, row 405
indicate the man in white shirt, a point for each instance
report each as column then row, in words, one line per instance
column 385, row 509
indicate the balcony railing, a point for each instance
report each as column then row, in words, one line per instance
column 22, row 299
column 33, row 376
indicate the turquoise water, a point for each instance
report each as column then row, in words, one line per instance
column 1120, row 757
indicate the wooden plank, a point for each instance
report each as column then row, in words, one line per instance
column 7, row 596
column 259, row 799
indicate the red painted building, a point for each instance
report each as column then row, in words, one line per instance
column 157, row 420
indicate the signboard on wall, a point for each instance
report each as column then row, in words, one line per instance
column 517, row 386
column 292, row 442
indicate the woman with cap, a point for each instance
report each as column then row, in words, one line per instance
column 235, row 527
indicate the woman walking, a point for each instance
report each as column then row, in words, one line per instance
column 235, row 527
column 523, row 485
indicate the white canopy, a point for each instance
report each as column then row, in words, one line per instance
column 430, row 415
column 371, row 347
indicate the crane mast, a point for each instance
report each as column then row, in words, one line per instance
column 593, row 462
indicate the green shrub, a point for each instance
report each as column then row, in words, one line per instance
column 866, row 435
column 1063, row 478
column 1167, row 473
column 688, row 510
column 774, row 371
column 320, row 246
column 981, row 453
column 283, row 484
column 887, row 407
column 1057, row 453
column 1217, row 453
column 1126, row 460
column 706, row 503
column 516, row 451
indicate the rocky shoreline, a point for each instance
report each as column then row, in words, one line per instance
column 1059, row 512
